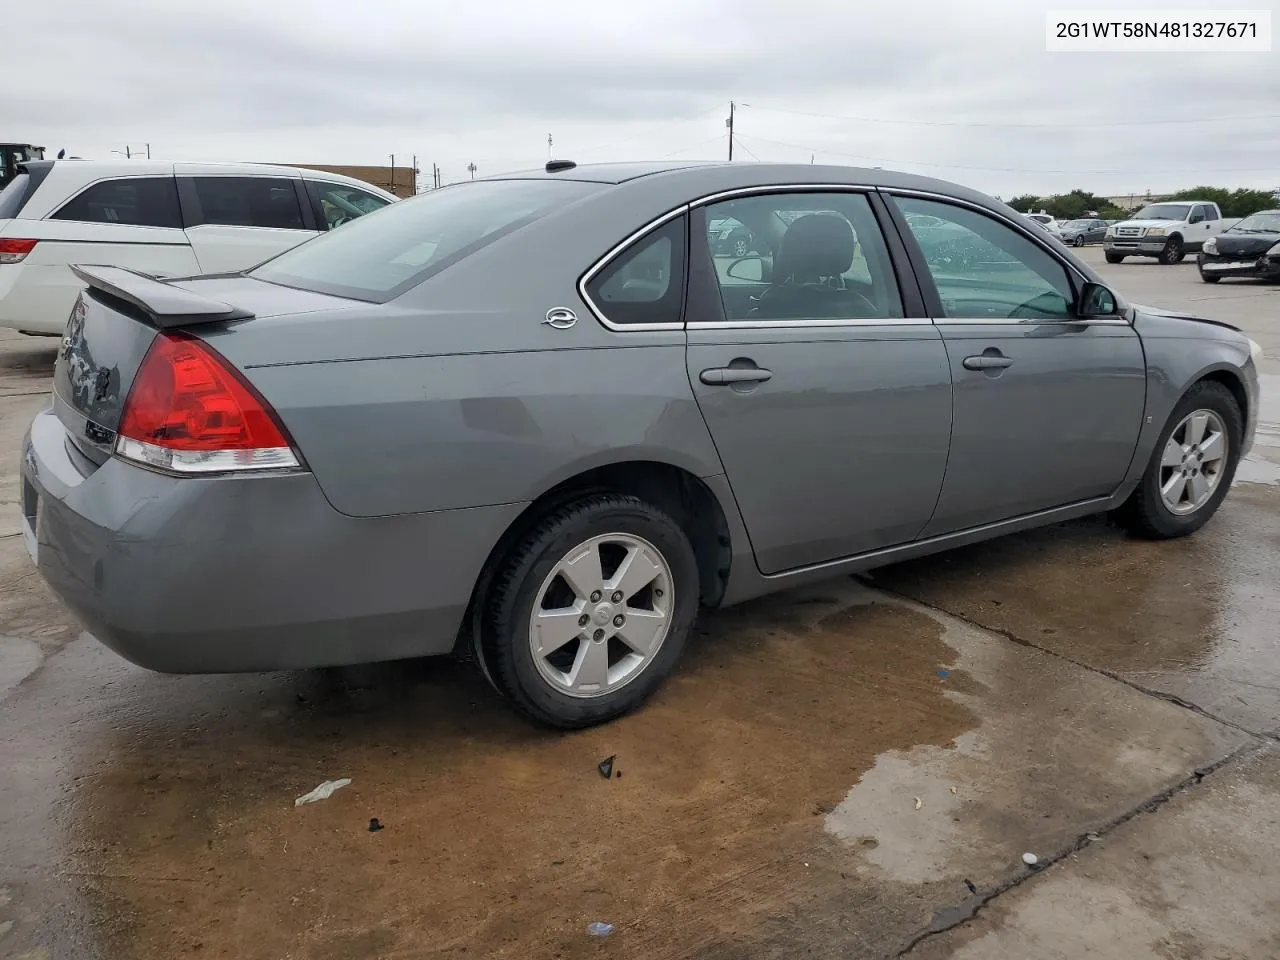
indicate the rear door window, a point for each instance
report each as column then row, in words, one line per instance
column 134, row 201
column 645, row 283
column 270, row 202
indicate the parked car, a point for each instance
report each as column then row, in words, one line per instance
column 158, row 217
column 550, row 433
column 1166, row 231
column 1250, row 248
column 729, row 238
column 1048, row 221
column 1079, row 232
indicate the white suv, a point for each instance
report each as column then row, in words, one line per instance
column 161, row 218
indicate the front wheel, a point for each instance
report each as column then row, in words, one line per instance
column 1173, row 252
column 1078, row 241
column 1114, row 257
column 1191, row 467
column 590, row 611
column 1208, row 277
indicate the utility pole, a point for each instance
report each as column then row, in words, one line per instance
column 550, row 154
column 729, row 123
column 435, row 177
column 471, row 169
column 393, row 173
column 416, row 171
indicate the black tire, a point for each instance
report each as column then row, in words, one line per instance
column 1078, row 241
column 1173, row 251
column 1114, row 257
column 739, row 243
column 1208, row 278
column 1145, row 513
column 503, row 643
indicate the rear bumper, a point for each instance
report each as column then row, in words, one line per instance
column 230, row 575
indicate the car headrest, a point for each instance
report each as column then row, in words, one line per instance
column 815, row 245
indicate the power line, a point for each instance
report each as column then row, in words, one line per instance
column 965, row 166
column 982, row 123
column 692, row 146
column 743, row 146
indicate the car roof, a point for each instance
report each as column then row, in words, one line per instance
column 735, row 174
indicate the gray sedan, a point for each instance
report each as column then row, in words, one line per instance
column 538, row 420
column 1079, row 232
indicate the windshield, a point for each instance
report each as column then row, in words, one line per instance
column 1164, row 211
column 1268, row 222
column 384, row 253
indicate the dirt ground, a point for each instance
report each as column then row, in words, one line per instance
column 850, row 770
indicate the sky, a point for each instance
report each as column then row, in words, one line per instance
column 963, row 91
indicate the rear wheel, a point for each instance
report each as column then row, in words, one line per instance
column 1078, row 241
column 1191, row 467
column 590, row 611
column 1173, row 251
column 1114, row 257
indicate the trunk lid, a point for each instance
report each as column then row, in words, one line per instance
column 113, row 324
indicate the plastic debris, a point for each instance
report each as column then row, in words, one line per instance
column 1030, row 859
column 374, row 824
column 605, row 766
column 919, row 803
column 944, row 674
column 598, row 929
column 954, row 791
column 322, row 792
column 969, row 883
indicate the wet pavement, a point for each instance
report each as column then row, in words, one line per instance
column 850, row 770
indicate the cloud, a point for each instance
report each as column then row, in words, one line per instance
column 487, row 80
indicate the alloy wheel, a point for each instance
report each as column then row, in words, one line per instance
column 1193, row 461
column 601, row 615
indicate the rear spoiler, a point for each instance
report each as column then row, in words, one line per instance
column 164, row 304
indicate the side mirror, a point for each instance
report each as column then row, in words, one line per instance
column 1096, row 301
column 749, row 269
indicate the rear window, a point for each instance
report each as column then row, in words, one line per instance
column 14, row 196
column 382, row 254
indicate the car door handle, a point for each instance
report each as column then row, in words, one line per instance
column 987, row 362
column 719, row 376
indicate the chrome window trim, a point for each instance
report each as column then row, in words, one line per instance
column 993, row 321
column 793, row 324
column 608, row 258
column 782, row 188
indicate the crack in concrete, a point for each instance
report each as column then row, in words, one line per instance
column 949, row 918
column 1109, row 674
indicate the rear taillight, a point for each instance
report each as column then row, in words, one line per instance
column 13, row 250
column 189, row 411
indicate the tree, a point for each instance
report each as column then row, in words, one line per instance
column 1026, row 203
column 1233, row 203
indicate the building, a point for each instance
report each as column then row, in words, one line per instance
column 402, row 181
column 1132, row 201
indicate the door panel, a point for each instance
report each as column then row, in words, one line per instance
column 1047, row 407
column 843, row 449
column 829, row 407
column 1057, row 426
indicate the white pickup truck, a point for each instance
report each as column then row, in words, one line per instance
column 1167, row 231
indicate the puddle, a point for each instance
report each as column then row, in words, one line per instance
column 1193, row 617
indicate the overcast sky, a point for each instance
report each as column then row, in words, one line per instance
column 960, row 90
